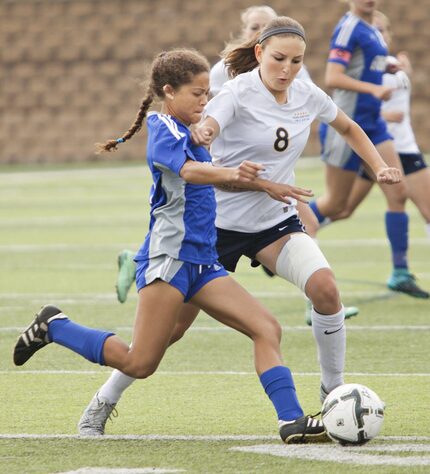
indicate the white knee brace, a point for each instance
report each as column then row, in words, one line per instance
column 299, row 259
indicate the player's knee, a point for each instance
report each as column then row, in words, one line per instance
column 321, row 288
column 141, row 370
column 270, row 331
column 274, row 330
column 299, row 260
column 178, row 333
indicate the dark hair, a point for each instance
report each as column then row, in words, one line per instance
column 240, row 59
column 176, row 67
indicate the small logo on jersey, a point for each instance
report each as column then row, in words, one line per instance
column 217, row 267
column 341, row 54
column 302, row 116
column 282, row 228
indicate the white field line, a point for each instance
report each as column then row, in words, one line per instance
column 343, row 455
column 22, row 177
column 372, row 242
column 79, row 298
column 385, row 328
column 164, row 437
column 204, row 372
column 23, row 248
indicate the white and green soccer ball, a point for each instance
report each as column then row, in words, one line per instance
column 352, row 414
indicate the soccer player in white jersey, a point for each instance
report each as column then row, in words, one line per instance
column 396, row 112
column 264, row 114
column 177, row 263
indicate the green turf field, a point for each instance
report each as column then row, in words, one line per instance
column 204, row 411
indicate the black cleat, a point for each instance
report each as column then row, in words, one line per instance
column 36, row 335
column 306, row 429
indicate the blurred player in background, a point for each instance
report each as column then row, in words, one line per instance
column 178, row 263
column 355, row 69
column 396, row 111
column 243, row 122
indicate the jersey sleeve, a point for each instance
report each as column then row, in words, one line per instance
column 172, row 147
column 342, row 45
column 326, row 109
column 222, row 107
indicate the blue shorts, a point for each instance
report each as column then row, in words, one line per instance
column 231, row 245
column 186, row 277
column 336, row 152
column 411, row 163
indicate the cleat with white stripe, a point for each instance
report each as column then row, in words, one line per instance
column 36, row 335
column 306, row 429
column 93, row 420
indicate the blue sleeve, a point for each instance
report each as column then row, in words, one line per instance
column 172, row 147
column 341, row 48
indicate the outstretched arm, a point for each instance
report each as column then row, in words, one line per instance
column 354, row 135
column 204, row 173
column 336, row 78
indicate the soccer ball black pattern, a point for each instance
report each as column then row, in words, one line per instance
column 352, row 414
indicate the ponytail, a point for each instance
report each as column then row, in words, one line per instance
column 112, row 145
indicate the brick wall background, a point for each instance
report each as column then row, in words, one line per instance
column 70, row 70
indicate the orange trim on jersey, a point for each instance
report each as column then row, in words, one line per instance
column 341, row 54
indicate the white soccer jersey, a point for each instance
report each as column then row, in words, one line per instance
column 404, row 138
column 255, row 127
column 219, row 76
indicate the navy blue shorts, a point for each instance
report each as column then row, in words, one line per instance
column 231, row 245
column 186, row 277
column 411, row 163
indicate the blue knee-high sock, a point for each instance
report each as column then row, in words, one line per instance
column 397, row 226
column 279, row 386
column 85, row 341
column 316, row 211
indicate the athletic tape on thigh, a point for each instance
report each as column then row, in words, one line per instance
column 299, row 259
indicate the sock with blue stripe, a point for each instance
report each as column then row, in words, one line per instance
column 397, row 227
column 84, row 341
column 316, row 211
column 279, row 385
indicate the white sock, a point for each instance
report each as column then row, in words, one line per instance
column 428, row 229
column 115, row 386
column 330, row 334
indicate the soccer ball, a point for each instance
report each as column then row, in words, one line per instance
column 352, row 414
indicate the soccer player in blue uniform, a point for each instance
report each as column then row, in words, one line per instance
column 355, row 69
column 396, row 111
column 178, row 261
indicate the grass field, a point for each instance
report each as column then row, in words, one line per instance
column 204, row 411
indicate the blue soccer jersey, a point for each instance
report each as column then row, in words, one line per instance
column 182, row 217
column 359, row 47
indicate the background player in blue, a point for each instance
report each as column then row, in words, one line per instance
column 355, row 68
column 178, row 261
column 265, row 114
column 396, row 111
